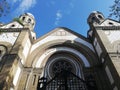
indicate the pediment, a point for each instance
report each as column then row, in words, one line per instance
column 61, row 32
column 61, row 35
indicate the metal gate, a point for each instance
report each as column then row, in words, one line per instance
column 62, row 81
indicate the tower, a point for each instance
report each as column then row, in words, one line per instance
column 104, row 34
column 95, row 18
column 61, row 59
column 28, row 21
column 15, row 40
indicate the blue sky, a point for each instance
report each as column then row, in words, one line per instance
column 50, row 14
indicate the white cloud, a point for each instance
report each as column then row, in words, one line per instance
column 24, row 5
column 14, row 1
column 58, row 17
column 71, row 5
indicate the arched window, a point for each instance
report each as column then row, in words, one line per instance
column 100, row 17
column 23, row 18
column 29, row 20
column 93, row 19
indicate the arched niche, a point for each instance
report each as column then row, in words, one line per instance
column 75, row 45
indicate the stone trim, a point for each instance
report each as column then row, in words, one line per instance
column 107, row 27
column 12, row 29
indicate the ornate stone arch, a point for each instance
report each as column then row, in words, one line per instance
column 77, row 53
column 48, row 50
column 80, row 47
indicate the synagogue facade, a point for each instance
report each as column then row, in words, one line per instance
column 61, row 59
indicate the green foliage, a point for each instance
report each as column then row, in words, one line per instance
column 18, row 20
column 115, row 10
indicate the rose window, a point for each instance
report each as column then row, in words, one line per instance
column 61, row 65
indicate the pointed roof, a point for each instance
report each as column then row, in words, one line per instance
column 60, row 35
column 67, row 30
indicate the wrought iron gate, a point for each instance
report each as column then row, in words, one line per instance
column 62, row 81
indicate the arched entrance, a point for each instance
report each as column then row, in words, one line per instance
column 55, row 59
column 62, row 61
column 64, row 71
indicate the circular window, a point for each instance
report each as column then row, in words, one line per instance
column 61, row 65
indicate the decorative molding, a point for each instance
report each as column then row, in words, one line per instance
column 107, row 27
column 61, row 33
column 66, row 49
column 12, row 29
column 68, row 36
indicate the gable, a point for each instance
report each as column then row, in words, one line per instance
column 61, row 35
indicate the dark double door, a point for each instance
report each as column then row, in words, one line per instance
column 62, row 81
